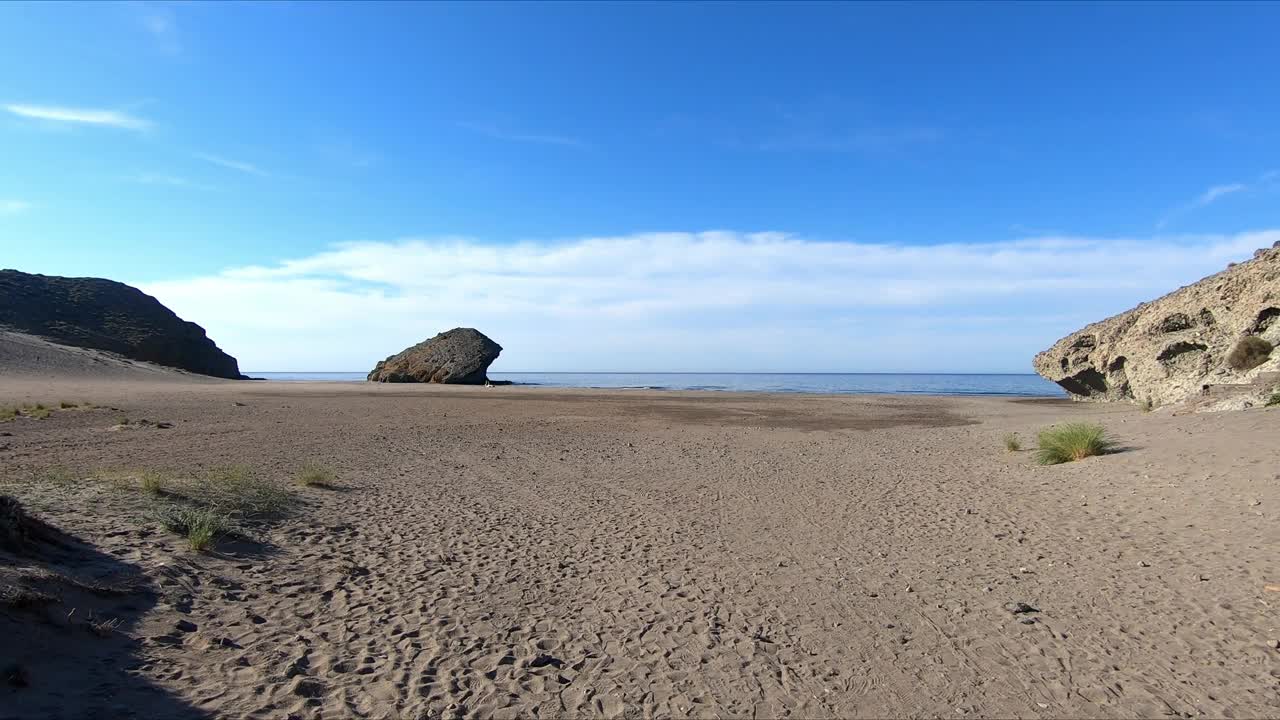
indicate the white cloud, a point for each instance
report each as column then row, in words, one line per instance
column 83, row 116
column 13, row 207
column 243, row 167
column 692, row 301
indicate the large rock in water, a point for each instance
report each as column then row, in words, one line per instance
column 458, row 356
column 107, row 315
column 1174, row 348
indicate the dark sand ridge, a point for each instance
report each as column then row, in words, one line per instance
column 508, row 551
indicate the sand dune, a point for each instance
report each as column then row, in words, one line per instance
column 515, row 552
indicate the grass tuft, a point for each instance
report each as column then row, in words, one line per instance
column 67, row 405
column 1012, row 442
column 1147, row 405
column 152, row 482
column 1072, row 441
column 8, row 413
column 1274, row 400
column 237, row 491
column 200, row 526
column 316, row 475
column 1250, row 352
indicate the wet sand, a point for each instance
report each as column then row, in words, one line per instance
column 521, row 552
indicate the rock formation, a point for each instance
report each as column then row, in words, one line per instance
column 459, row 356
column 107, row 315
column 1175, row 348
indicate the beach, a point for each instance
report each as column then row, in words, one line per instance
column 504, row 552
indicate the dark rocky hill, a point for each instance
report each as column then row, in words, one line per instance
column 108, row 315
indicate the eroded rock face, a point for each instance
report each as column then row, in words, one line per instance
column 458, row 356
column 1173, row 348
column 108, row 315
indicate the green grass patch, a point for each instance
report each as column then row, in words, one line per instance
column 316, row 475
column 1072, row 441
column 8, row 413
column 1012, row 442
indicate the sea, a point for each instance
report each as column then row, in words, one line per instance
column 1015, row 385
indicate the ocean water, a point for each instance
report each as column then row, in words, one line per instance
column 827, row 383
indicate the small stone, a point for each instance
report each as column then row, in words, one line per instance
column 185, row 626
column 1023, row 570
column 987, row 589
column 1143, row 563
column 1019, row 608
column 910, row 589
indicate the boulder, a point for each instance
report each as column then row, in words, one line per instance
column 108, row 315
column 458, row 356
column 1177, row 347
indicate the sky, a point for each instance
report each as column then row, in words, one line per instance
column 843, row 187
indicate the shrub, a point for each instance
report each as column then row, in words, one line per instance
column 314, row 474
column 1012, row 442
column 1072, row 441
column 1249, row 353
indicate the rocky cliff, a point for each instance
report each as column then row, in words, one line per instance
column 107, row 315
column 1179, row 346
column 458, row 356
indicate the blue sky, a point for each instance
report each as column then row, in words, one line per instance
column 816, row 187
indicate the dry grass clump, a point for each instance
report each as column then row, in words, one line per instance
column 1249, row 353
column 1147, row 405
column 1012, row 442
column 315, row 474
column 1072, row 441
column 1274, row 400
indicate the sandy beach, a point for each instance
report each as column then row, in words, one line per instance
column 513, row 552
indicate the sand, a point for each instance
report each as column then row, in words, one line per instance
column 514, row 552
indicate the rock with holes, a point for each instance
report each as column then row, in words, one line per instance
column 1176, row 348
column 459, row 356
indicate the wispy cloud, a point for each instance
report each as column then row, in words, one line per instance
column 13, row 207
column 498, row 133
column 1217, row 192
column 241, row 166
column 167, row 180
column 82, row 116
column 694, row 301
